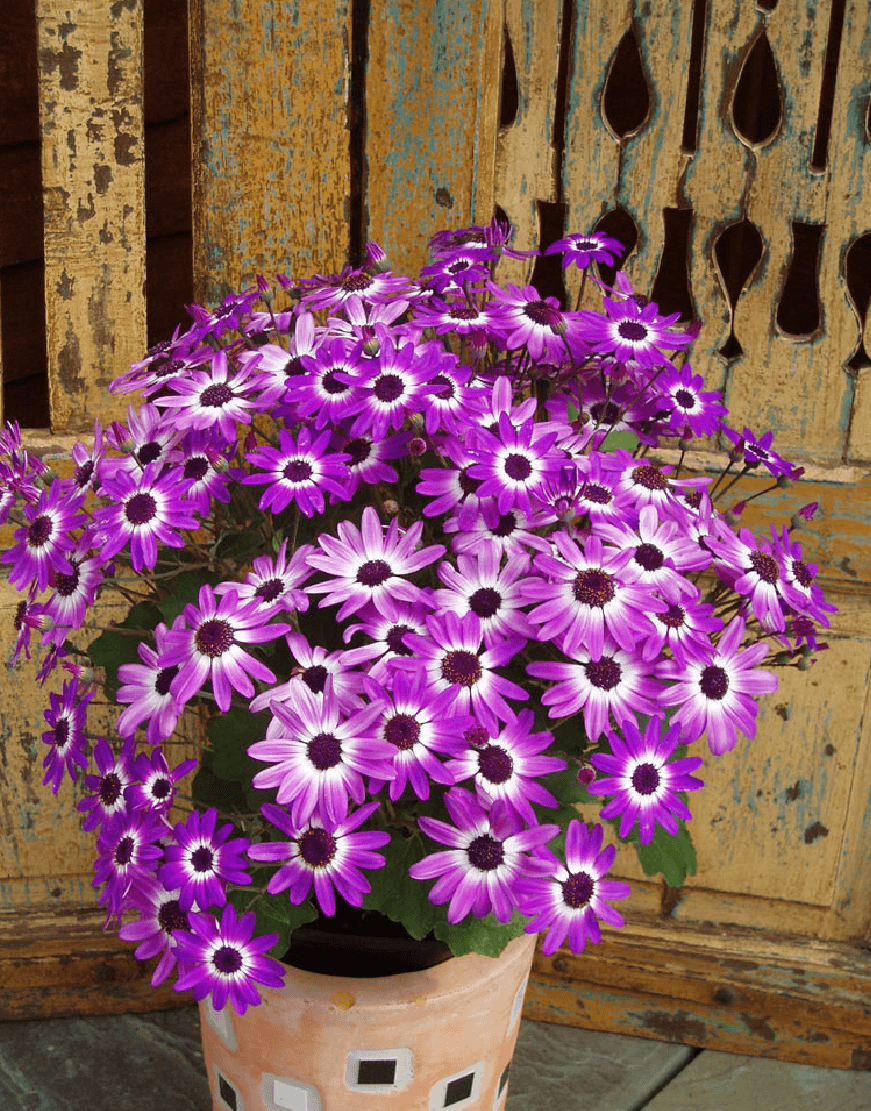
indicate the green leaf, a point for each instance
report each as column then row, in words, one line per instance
column 229, row 735
column 276, row 914
column 673, row 857
column 623, row 438
column 185, row 588
column 240, row 547
column 487, row 936
column 113, row 648
column 395, row 894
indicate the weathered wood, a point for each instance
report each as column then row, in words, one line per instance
column 431, row 114
column 270, row 141
column 90, row 74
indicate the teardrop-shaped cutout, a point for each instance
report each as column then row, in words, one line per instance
column 694, row 76
column 620, row 226
column 827, row 87
column 756, row 105
column 671, row 287
column 509, row 99
column 766, row 5
column 626, row 97
column 548, row 275
column 857, row 271
column 799, row 311
column 738, row 251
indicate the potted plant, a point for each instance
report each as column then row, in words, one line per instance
column 402, row 547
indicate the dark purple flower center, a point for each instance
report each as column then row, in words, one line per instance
column 196, row 469
column 140, row 509
column 317, row 847
column 593, row 587
column 685, row 399
column 315, row 678
column 213, row 638
column 227, row 959
column 485, row 602
column 604, row 674
column 673, row 618
column 359, row 449
column 650, row 477
column 160, row 789
column 324, row 751
column 110, row 789
column 354, row 283
column 463, row 312
column 468, row 484
column 605, row 412
column 765, row 566
column 84, row 473
column 578, row 890
column 518, row 467
column 649, row 557
column 645, row 779
column 164, row 677
column 586, row 245
column 297, row 470
column 332, row 385
column 506, row 524
column 462, row 668
column 216, row 395
column 459, row 265
column 171, row 917
column 374, row 573
column 403, row 731
column 599, row 495
column 124, row 850
column 476, row 736
column 632, row 330
column 393, row 640
column 802, row 575
column 495, row 764
column 540, row 312
column 293, row 367
column 67, row 585
column 61, row 733
column 270, row 590
column 447, row 389
column 388, row 387
column 714, row 682
column 148, row 453
column 18, row 619
column 202, row 859
column 39, row 531
column 486, row 853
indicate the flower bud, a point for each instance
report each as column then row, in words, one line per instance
column 371, row 346
column 416, row 446
column 586, row 776
column 391, row 508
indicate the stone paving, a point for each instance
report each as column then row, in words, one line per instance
column 153, row 1062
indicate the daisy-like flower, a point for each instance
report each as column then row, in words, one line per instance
column 480, row 585
column 506, row 767
column 45, row 541
column 510, row 534
column 458, row 266
column 581, row 249
column 88, row 460
column 514, row 464
column 451, row 314
column 159, row 915
column 322, row 853
column 571, row 902
column 487, row 856
column 107, row 797
column 367, row 565
column 685, row 627
column 65, row 718
column 197, row 458
column 200, row 861
column 452, row 485
column 318, row 754
column 753, row 570
column 451, row 653
column 456, row 401
column 523, row 318
column 148, row 510
column 614, row 684
column 333, row 290
column 717, row 693
column 146, row 439
column 76, row 590
column 651, row 484
column 226, row 960
column 296, row 471
column 633, row 334
column 365, row 460
column 206, row 644
column 154, row 784
column 692, row 411
column 806, row 596
column 128, row 849
column 758, row 450
column 228, row 316
column 213, row 398
column 386, row 635
column 327, row 388
column 146, row 687
column 587, row 594
column 320, row 670
column 396, row 381
column 274, row 582
column 417, row 724
column 644, row 780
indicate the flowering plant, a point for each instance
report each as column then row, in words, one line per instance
column 403, row 548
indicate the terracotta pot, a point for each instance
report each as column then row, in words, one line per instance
column 440, row 1038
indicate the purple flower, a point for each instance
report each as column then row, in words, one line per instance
column 514, row 464
column 522, row 317
column 227, row 960
column 391, row 384
column 571, row 901
column 643, row 779
column 274, row 582
column 44, row 543
column 297, row 471
column 127, row 850
column 327, row 389
column 154, row 785
column 324, row 854
column 320, row 670
column 146, row 687
column 333, row 290
column 66, row 733
column 756, row 451
column 692, row 411
column 116, row 772
column 213, row 398
column 480, row 585
column 582, row 249
column 201, row 862
column 630, row 333
column 159, row 915
column 486, row 858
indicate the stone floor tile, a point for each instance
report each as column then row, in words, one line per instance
column 729, row 1082
column 560, row 1067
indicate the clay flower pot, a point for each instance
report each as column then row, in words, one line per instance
column 441, row 1037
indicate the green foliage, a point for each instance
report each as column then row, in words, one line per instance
column 674, row 857
column 395, row 894
column 114, row 647
column 185, row 589
column 487, row 936
column 276, row 914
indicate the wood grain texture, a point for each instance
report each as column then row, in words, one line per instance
column 270, row 143
column 431, row 117
column 90, row 85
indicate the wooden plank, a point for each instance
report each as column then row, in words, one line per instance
column 271, row 165
column 431, row 115
column 90, row 83
column 714, row 987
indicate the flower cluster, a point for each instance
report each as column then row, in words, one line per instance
column 404, row 545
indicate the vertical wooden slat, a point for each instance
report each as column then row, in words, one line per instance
column 432, row 110
column 90, row 83
column 269, row 139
